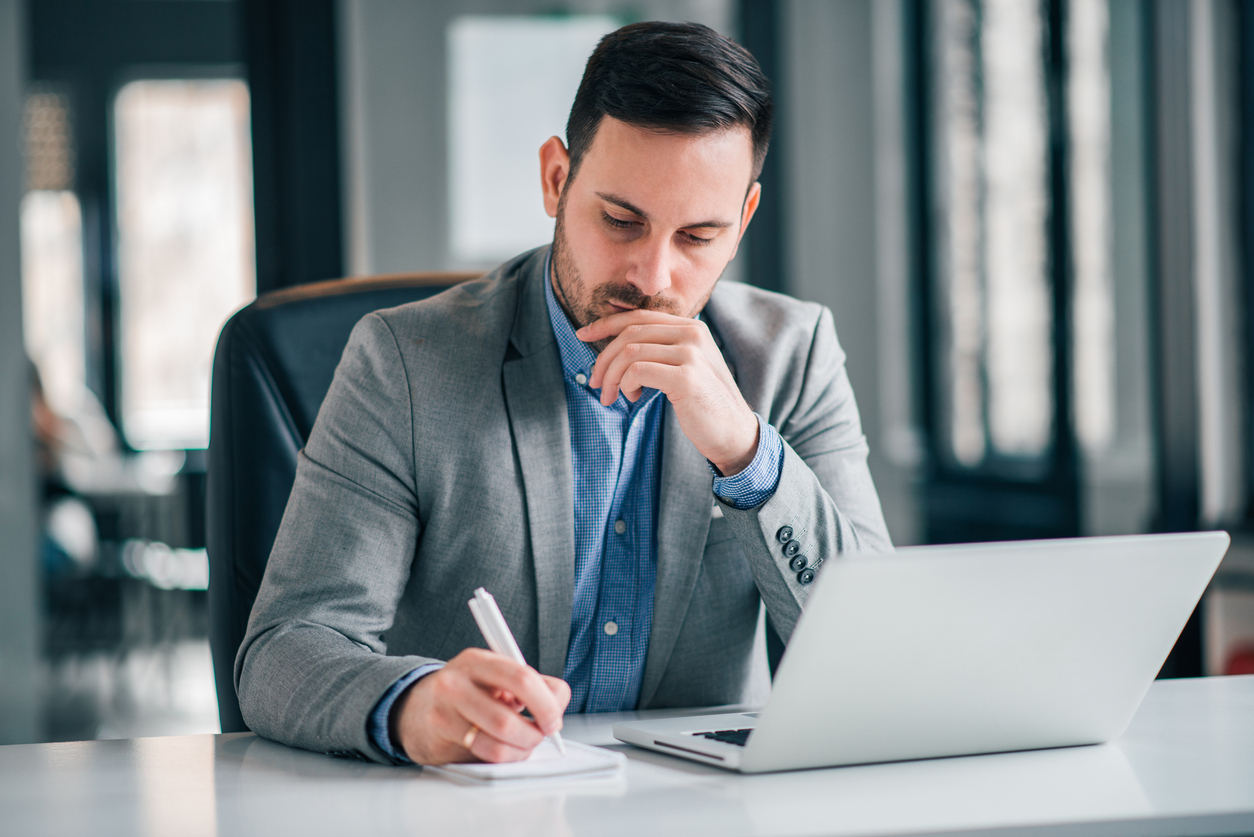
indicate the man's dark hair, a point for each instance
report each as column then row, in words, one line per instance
column 675, row 78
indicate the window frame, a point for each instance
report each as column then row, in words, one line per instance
column 1002, row 497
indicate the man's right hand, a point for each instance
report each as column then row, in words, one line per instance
column 481, row 690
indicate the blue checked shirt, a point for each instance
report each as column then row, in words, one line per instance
column 616, row 458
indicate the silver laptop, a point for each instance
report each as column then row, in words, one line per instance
column 955, row 650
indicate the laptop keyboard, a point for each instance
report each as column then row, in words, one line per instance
column 730, row 736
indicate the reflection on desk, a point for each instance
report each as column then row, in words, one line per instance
column 1186, row 765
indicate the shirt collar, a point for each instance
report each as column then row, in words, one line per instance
column 578, row 358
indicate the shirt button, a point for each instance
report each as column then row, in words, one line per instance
column 611, row 628
column 581, row 379
column 620, row 526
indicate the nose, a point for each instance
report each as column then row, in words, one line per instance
column 651, row 271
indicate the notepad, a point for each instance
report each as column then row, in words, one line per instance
column 582, row 761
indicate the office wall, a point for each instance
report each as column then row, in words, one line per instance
column 393, row 78
column 19, row 599
column 845, row 221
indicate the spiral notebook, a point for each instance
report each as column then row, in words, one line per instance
column 582, row 761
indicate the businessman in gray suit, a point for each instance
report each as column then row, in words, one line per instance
column 631, row 457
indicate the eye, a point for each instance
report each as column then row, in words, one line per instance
column 617, row 222
column 696, row 239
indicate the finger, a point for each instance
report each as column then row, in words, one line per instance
column 670, row 334
column 508, row 699
column 660, row 376
column 440, row 710
column 639, row 353
column 560, row 689
column 615, row 323
column 495, row 672
column 500, row 721
column 612, row 379
column 488, row 748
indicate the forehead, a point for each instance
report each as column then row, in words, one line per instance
column 669, row 173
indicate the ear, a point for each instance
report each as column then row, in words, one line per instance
column 554, row 168
column 746, row 215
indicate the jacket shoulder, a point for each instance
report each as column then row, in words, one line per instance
column 467, row 322
column 779, row 348
column 751, row 320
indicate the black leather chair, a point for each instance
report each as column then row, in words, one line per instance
column 272, row 368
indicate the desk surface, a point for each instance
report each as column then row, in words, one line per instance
column 1185, row 766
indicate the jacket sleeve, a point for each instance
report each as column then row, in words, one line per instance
column 825, row 501
column 313, row 664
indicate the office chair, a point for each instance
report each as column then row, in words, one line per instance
column 272, row 368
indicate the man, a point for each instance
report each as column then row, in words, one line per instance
column 629, row 480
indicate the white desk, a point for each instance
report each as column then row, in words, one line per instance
column 1186, row 766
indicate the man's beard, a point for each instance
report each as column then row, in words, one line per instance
column 570, row 287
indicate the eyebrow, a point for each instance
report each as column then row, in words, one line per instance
column 623, row 203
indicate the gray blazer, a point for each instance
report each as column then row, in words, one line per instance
column 440, row 462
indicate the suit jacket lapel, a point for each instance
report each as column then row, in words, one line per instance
column 683, row 520
column 536, row 399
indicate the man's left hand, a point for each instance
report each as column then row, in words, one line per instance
column 678, row 356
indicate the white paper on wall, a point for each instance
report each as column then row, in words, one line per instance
column 511, row 84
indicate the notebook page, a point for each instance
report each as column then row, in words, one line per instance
column 581, row 761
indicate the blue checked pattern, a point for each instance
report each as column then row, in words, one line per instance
column 615, row 453
column 757, row 483
column 616, row 458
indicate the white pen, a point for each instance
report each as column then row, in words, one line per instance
column 500, row 639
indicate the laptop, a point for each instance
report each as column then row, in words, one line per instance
column 957, row 650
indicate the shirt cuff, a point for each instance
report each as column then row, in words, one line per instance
column 757, row 483
column 378, row 725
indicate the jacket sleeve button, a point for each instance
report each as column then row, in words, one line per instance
column 792, row 548
column 798, row 563
column 784, row 535
column 805, row 576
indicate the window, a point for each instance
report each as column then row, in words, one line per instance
column 511, row 82
column 1092, row 323
column 1016, row 267
column 52, row 253
column 992, row 204
column 185, row 247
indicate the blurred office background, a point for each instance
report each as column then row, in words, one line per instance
column 1032, row 219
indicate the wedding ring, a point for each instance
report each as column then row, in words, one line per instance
column 468, row 740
